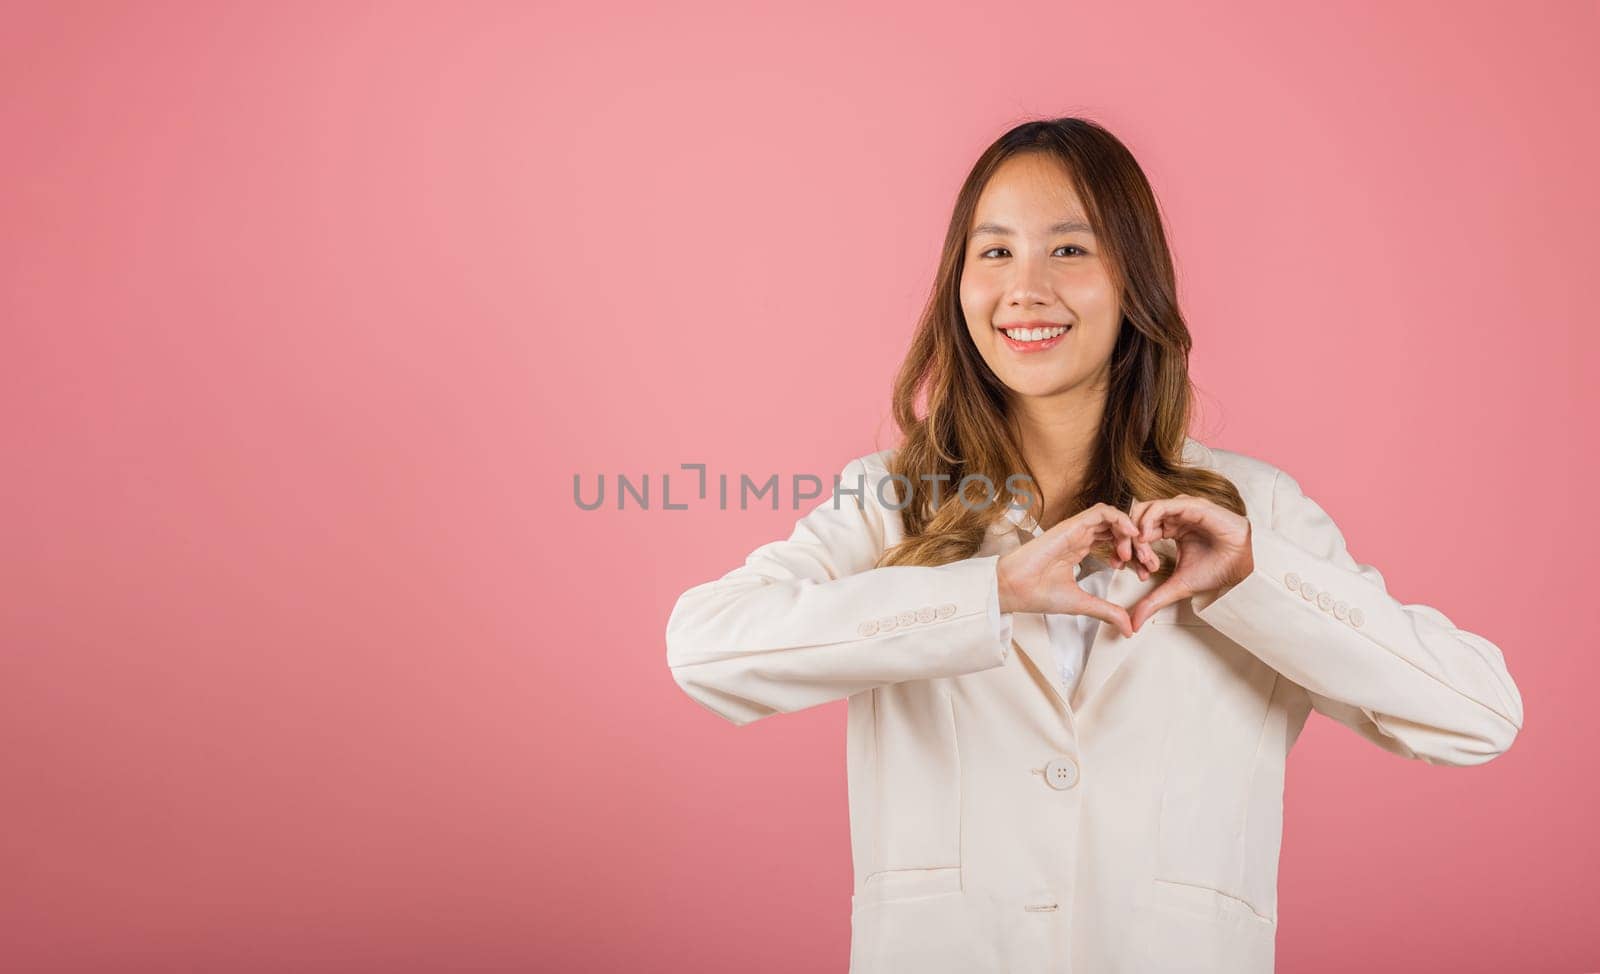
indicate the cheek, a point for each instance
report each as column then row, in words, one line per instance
column 971, row 292
column 1091, row 291
column 975, row 305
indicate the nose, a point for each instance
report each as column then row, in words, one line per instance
column 1028, row 285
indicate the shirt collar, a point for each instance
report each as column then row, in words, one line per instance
column 1022, row 519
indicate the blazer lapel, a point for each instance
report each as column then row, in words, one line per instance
column 1109, row 650
column 1106, row 650
column 1028, row 632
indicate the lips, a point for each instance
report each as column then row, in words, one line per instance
column 1034, row 324
column 1034, row 347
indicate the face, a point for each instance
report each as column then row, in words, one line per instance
column 1032, row 262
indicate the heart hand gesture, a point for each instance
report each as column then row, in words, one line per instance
column 1038, row 575
column 1213, row 549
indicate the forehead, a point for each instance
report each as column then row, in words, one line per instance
column 1029, row 193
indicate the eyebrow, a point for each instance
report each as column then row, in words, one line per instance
column 1065, row 226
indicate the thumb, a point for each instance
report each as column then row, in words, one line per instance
column 1107, row 612
column 1158, row 598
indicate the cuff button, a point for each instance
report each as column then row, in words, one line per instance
column 886, row 623
column 868, row 628
column 1308, row 591
column 925, row 614
column 1324, row 600
column 945, row 611
column 906, row 618
column 1341, row 610
column 1292, row 579
column 1356, row 617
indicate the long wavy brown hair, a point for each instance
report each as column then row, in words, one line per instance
column 965, row 427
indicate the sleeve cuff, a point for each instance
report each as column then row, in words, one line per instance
column 1000, row 623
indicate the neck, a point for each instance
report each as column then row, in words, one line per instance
column 1058, row 435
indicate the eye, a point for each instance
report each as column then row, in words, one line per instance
column 1080, row 250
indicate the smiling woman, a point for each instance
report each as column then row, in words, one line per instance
column 1109, row 796
column 1009, row 257
column 1053, row 344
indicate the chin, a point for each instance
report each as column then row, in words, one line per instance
column 1036, row 387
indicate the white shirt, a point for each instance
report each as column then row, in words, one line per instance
column 1070, row 634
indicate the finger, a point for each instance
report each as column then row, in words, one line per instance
column 1148, row 557
column 1155, row 600
column 1182, row 522
column 1109, row 612
column 1090, row 524
column 1172, row 518
column 1150, row 520
column 1193, row 512
column 1111, row 524
column 1106, row 514
column 1126, row 533
column 1135, row 514
column 1138, row 552
column 1112, row 537
column 1148, row 525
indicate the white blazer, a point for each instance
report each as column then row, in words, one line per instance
column 995, row 825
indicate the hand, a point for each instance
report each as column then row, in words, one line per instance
column 1037, row 576
column 1213, row 549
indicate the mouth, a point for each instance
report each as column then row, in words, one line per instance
column 1034, row 338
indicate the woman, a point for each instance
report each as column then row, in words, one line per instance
column 1109, row 798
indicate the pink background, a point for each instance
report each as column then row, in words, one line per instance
column 311, row 313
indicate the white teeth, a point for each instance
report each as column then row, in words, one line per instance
column 1033, row 334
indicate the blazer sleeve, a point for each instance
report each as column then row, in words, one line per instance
column 1403, row 676
column 808, row 620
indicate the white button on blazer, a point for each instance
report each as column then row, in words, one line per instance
column 1002, row 822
